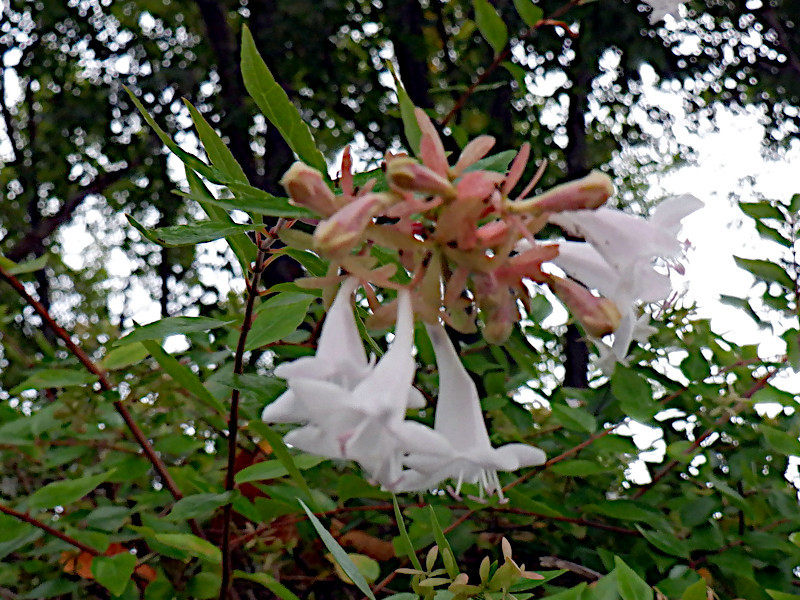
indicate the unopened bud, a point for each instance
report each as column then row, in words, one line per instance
column 307, row 188
column 405, row 173
column 599, row 316
column 589, row 192
column 340, row 233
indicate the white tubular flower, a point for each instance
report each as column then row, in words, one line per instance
column 363, row 419
column 470, row 456
column 617, row 257
column 340, row 359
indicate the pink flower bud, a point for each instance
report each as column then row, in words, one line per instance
column 341, row 232
column 307, row 188
column 599, row 316
column 407, row 174
column 589, row 192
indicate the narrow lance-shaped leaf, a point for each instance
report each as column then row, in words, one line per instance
column 255, row 201
column 276, row 106
column 172, row 326
column 190, row 160
column 62, row 493
column 268, row 582
column 219, row 154
column 407, row 545
column 410, row 125
column 491, row 25
column 194, row 233
column 240, row 244
column 339, row 555
column 54, row 378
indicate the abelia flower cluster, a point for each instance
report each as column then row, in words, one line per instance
column 469, row 247
column 353, row 408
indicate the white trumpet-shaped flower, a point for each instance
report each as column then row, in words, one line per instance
column 363, row 419
column 662, row 8
column 617, row 257
column 340, row 359
column 470, row 456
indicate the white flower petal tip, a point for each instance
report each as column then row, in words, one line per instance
column 662, row 8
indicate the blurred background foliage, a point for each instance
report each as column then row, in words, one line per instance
column 706, row 490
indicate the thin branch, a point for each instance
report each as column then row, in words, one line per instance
column 550, row 20
column 105, row 385
column 47, row 529
column 233, row 420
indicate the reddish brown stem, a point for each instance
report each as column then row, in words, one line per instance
column 47, row 529
column 233, row 422
column 105, row 385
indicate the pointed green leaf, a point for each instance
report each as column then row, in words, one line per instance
column 765, row 270
column 124, row 356
column 282, row 452
column 780, row 441
column 218, row 153
column 195, row 546
column 792, row 339
column 794, row 204
column 54, row 378
column 190, row 160
column 573, row 418
column 240, row 244
column 62, row 493
column 761, row 210
column 445, row 551
column 491, row 25
column 529, row 12
column 272, row 469
column 258, row 202
column 405, row 542
column 629, row 584
column 410, row 125
column 171, row 326
column 774, row 594
column 22, row 268
column 696, row 591
column 268, row 582
column 579, row 468
column 634, row 394
column 194, row 233
column 114, row 572
column 278, row 317
column 665, row 542
column 183, row 375
column 276, row 106
column 339, row 555
column 198, row 506
column 576, row 593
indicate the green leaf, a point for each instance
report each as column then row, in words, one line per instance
column 31, row 266
column 52, row 589
column 794, row 204
column 761, row 210
column 62, row 493
column 54, row 378
column 272, row 469
column 171, row 326
column 498, row 163
column 445, row 551
column 255, row 201
column 282, row 452
column 219, row 154
column 579, row 468
column 192, row 544
column 114, row 572
column 198, row 506
column 773, row 234
column 634, row 394
column 529, row 12
column 410, row 125
column 665, row 542
column 182, row 374
column 523, row 501
column 792, row 339
column 268, row 582
column 696, row 591
column 491, row 25
column 629, row 584
column 774, row 594
column 190, row 160
column 240, row 244
column 367, row 566
column 575, row 593
column 405, row 542
column 194, row 233
column 339, row 555
column 765, row 270
column 276, row 106
column 780, row 441
column 124, row 356
column 575, row 419
column 627, row 510
column 277, row 318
